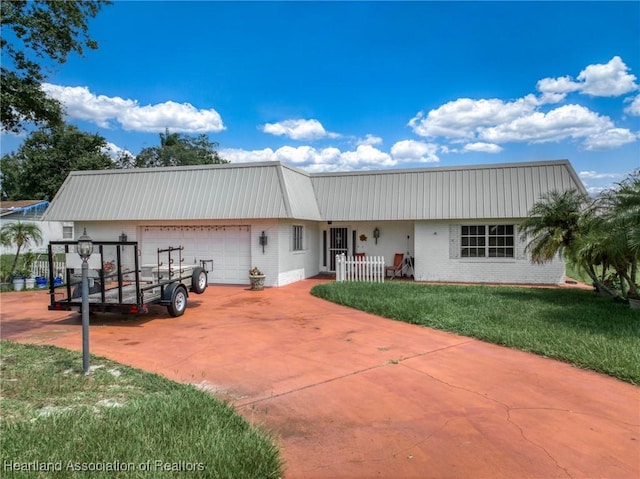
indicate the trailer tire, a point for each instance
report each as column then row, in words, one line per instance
column 199, row 280
column 178, row 301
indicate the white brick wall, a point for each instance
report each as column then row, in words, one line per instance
column 296, row 265
column 267, row 262
column 433, row 263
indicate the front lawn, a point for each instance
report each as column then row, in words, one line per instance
column 575, row 326
column 118, row 422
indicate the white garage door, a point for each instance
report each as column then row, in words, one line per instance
column 227, row 246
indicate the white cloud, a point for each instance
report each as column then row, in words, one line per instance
column 364, row 157
column 611, row 138
column 634, row 107
column 485, row 124
column 555, row 90
column 410, row 151
column 299, row 129
column 235, row 155
column 81, row 104
column 573, row 121
column 596, row 182
column 608, row 79
column 315, row 160
column 568, row 121
column 115, row 152
column 594, row 175
column 298, row 155
column 483, row 147
column 461, row 118
column 177, row 117
column 370, row 140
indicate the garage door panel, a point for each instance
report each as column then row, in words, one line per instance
column 229, row 248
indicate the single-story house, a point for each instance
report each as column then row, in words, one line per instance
column 31, row 211
column 459, row 224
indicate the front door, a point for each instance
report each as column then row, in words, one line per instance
column 338, row 240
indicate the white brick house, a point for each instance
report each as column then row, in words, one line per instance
column 459, row 224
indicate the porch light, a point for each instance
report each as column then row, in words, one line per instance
column 84, row 248
column 123, row 237
column 376, row 234
column 262, row 239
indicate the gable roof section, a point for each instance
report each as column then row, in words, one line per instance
column 506, row 190
column 243, row 191
column 273, row 190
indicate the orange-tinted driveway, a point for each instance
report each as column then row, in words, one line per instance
column 351, row 395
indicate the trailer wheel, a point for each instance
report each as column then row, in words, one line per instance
column 178, row 301
column 199, row 280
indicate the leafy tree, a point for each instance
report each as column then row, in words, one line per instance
column 33, row 31
column 47, row 156
column 177, row 149
column 21, row 235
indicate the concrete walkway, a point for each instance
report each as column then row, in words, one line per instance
column 351, row 395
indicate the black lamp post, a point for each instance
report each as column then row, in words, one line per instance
column 84, row 248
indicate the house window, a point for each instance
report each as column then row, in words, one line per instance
column 487, row 241
column 67, row 232
column 297, row 238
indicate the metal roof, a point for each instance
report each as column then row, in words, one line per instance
column 274, row 190
column 242, row 191
column 506, row 190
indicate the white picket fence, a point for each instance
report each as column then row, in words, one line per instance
column 41, row 268
column 368, row 268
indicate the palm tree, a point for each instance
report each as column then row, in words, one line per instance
column 21, row 235
column 566, row 224
column 553, row 225
column 621, row 217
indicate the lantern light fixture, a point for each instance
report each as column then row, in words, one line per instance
column 84, row 247
column 262, row 240
column 376, row 234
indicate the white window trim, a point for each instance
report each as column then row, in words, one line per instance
column 294, row 239
column 487, row 258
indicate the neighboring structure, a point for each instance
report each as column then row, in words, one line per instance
column 31, row 211
column 460, row 224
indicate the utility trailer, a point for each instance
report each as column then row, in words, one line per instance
column 118, row 283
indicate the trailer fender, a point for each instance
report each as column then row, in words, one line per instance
column 199, row 280
column 176, row 297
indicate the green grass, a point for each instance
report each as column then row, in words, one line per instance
column 575, row 326
column 119, row 418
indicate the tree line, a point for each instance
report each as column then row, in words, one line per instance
column 43, row 161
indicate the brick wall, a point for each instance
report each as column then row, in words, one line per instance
column 437, row 259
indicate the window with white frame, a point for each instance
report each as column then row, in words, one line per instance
column 487, row 241
column 298, row 234
column 67, row 232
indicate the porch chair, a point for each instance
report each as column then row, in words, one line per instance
column 398, row 264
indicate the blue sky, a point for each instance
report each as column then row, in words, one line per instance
column 367, row 85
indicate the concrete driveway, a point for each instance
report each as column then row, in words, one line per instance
column 351, row 395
